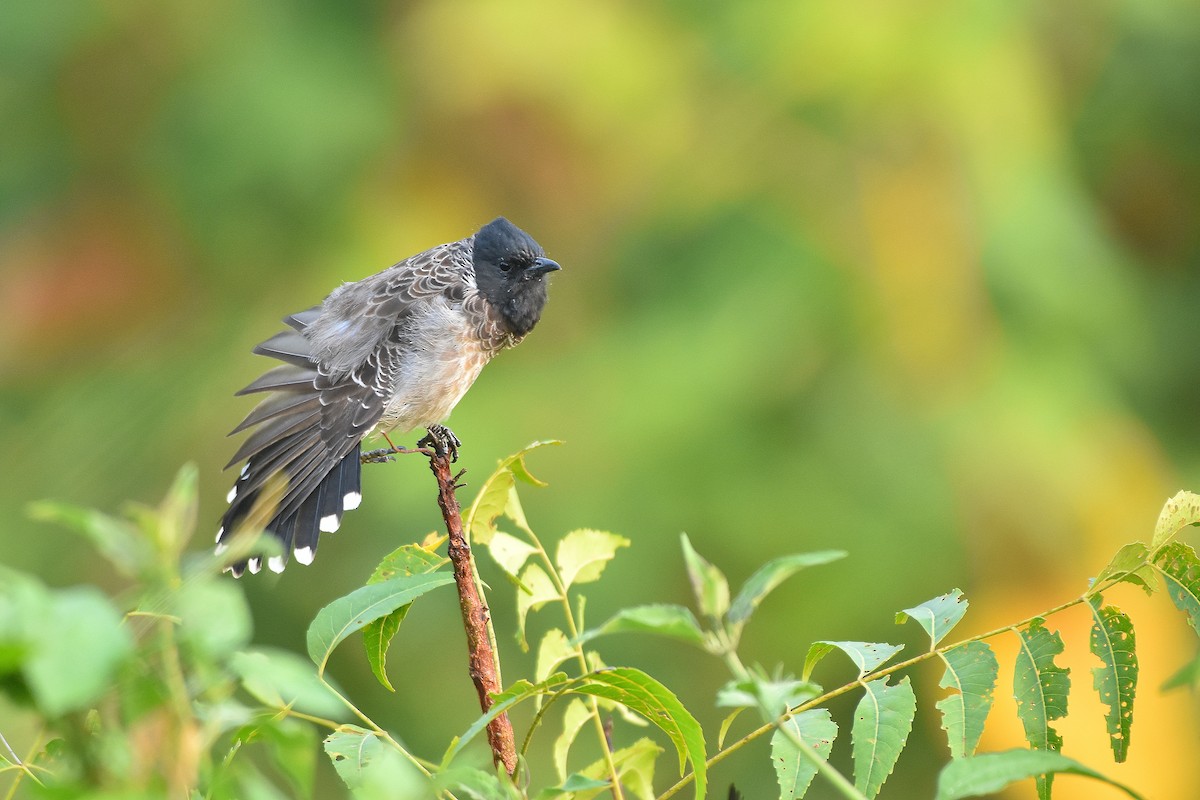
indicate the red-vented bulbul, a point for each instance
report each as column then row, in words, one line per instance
column 395, row 351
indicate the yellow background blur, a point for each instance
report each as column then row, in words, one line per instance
column 914, row 279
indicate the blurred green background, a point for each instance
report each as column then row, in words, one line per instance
column 914, row 279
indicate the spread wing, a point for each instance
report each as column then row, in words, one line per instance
column 340, row 360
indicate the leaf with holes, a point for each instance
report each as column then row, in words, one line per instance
column 882, row 722
column 937, row 616
column 1181, row 571
column 1180, row 511
column 1129, row 565
column 794, row 772
column 348, row 614
column 867, row 656
column 1040, row 688
column 1112, row 642
column 971, row 670
column 408, row 559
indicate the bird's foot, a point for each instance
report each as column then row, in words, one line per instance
column 442, row 440
column 380, row 456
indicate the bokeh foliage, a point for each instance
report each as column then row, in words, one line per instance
column 914, row 280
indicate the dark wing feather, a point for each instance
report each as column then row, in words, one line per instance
column 339, row 359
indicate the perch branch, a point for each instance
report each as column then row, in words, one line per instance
column 481, row 658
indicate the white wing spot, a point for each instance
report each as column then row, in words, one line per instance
column 232, row 494
column 221, row 548
column 255, row 565
column 351, row 501
column 245, row 470
column 275, row 563
column 304, row 555
column 330, row 523
column 220, row 533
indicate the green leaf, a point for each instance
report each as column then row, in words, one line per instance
column 538, row 590
column 1112, row 641
column 79, row 647
column 177, row 512
column 116, row 540
column 497, row 496
column 882, row 722
column 639, row 692
column 666, row 620
column 971, row 670
column 348, row 614
column 214, row 619
column 769, row 576
column 290, row 746
column 408, row 559
column 1129, row 565
column 708, row 582
column 554, row 650
column 281, row 679
column 976, row 776
column 635, row 769
column 582, row 555
column 473, row 783
column 725, row 724
column 1181, row 570
column 1187, row 675
column 772, row 696
column 363, row 762
column 574, row 717
column 509, row 552
column 867, row 656
column 937, row 616
column 1180, row 511
column 520, row 690
column 1040, row 689
column 793, row 771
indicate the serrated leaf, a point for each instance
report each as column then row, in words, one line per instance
column 282, row 679
column 1040, row 688
column 771, row 696
column 408, row 559
column 937, row 616
column 1128, row 565
column 582, row 555
column 1181, row 571
column 769, row 576
column 971, row 670
column 987, row 774
column 641, row 693
column 1180, row 511
column 793, row 771
column 665, row 620
column 538, row 590
column 520, row 691
column 509, row 552
column 708, row 582
column 348, row 614
column 1112, row 641
column 553, row 650
column 576, row 714
column 635, row 768
column 116, row 540
column 867, row 656
column 496, row 495
column 882, row 722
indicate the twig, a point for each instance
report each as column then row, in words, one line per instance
column 481, row 659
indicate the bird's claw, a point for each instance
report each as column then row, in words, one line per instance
column 442, row 440
column 381, row 456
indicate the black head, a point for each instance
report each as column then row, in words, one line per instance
column 510, row 270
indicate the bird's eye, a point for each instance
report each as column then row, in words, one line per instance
column 505, row 266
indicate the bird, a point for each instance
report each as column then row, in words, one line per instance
column 390, row 353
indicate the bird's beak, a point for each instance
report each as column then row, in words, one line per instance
column 543, row 265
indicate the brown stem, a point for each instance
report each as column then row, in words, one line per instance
column 481, row 660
